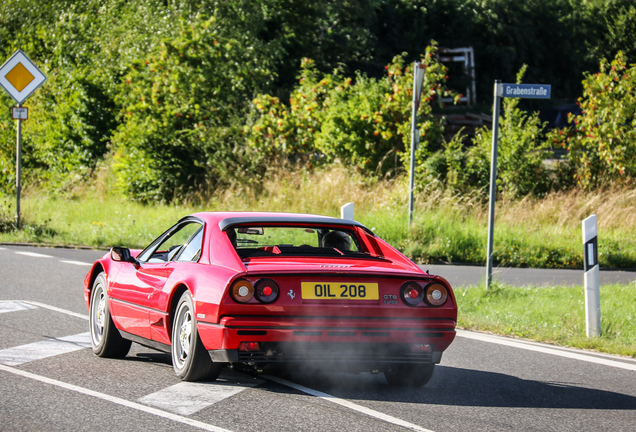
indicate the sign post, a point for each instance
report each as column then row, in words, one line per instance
column 418, row 78
column 20, row 77
column 591, row 277
column 527, row 91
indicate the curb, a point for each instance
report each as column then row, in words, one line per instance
column 56, row 246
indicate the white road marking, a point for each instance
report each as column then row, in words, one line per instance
column 79, row 263
column 115, row 400
column 33, row 254
column 1, row 248
column 12, row 306
column 345, row 403
column 186, row 398
column 56, row 309
column 545, row 350
column 43, row 349
column 81, row 339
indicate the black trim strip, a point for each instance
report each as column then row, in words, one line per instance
column 419, row 329
column 145, row 342
column 307, row 333
column 408, row 277
column 138, row 306
column 341, row 333
column 375, row 333
column 341, row 318
column 251, row 333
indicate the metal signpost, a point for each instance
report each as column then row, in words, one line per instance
column 418, row 79
column 591, row 278
column 527, row 91
column 20, row 77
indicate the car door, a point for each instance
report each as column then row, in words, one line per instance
column 188, row 254
column 132, row 304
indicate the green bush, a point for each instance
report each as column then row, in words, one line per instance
column 181, row 106
column 363, row 123
column 602, row 142
column 521, row 152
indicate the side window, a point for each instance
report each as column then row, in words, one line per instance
column 170, row 245
column 192, row 250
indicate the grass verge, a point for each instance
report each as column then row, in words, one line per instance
column 540, row 233
column 553, row 315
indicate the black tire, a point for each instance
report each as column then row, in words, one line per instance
column 409, row 375
column 105, row 338
column 190, row 359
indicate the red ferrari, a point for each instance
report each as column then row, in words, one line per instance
column 258, row 289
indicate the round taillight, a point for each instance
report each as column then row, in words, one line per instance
column 266, row 290
column 411, row 293
column 436, row 294
column 242, row 291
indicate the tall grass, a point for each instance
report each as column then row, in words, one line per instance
column 447, row 227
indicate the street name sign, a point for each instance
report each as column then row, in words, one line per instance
column 526, row 91
column 20, row 77
column 522, row 91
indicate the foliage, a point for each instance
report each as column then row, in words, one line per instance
column 614, row 22
column 521, row 152
column 602, row 142
column 362, row 123
column 79, row 119
column 179, row 105
column 556, row 37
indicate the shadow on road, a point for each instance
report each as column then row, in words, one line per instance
column 464, row 387
column 449, row 386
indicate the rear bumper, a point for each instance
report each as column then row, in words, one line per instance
column 364, row 355
column 368, row 341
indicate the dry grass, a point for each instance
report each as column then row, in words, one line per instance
column 447, row 227
column 309, row 191
column 615, row 209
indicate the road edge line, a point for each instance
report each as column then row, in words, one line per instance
column 545, row 350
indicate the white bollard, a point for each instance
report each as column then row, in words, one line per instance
column 346, row 211
column 591, row 278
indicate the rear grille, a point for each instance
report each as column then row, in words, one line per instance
column 251, row 333
column 334, row 352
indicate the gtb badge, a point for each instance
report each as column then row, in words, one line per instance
column 390, row 299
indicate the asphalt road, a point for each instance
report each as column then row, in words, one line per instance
column 49, row 380
column 463, row 276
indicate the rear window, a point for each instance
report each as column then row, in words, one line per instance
column 294, row 240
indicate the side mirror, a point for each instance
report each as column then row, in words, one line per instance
column 122, row 254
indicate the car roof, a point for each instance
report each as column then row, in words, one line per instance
column 229, row 219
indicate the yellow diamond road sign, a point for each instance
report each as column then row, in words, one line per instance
column 20, row 77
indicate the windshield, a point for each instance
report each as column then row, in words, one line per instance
column 301, row 241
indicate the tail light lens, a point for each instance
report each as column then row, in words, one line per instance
column 242, row 291
column 436, row 294
column 249, row 346
column 411, row 293
column 266, row 290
